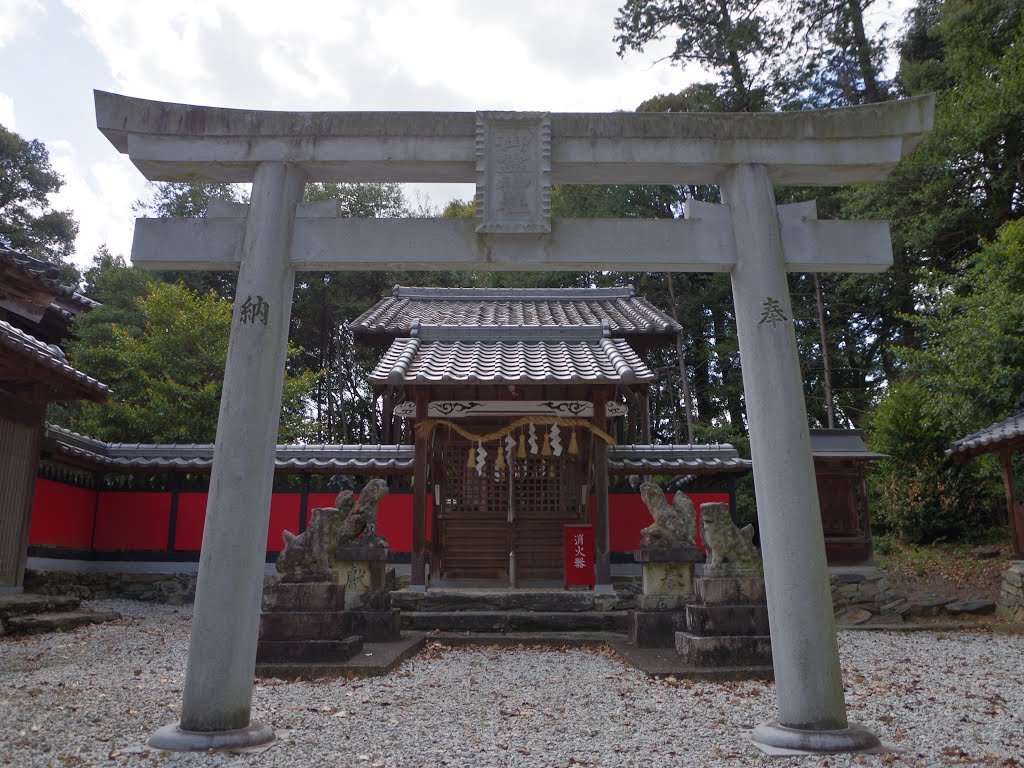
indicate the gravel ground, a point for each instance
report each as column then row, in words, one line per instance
column 93, row 696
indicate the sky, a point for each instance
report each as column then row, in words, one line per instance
column 441, row 55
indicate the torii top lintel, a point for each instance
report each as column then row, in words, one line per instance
column 179, row 142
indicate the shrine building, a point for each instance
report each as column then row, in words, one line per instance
column 521, row 401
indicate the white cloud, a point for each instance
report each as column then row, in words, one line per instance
column 100, row 196
column 404, row 54
column 399, row 55
column 7, row 112
column 17, row 18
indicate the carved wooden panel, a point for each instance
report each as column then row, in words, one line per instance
column 475, row 534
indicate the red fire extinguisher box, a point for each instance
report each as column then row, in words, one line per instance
column 579, row 556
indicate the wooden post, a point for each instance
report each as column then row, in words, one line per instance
column 418, row 580
column 1014, row 508
column 602, row 558
column 645, row 414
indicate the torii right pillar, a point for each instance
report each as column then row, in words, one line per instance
column 808, row 679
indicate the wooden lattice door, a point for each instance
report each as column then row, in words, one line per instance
column 521, row 508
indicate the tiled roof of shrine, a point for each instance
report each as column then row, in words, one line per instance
column 526, row 308
column 510, row 354
column 1009, row 431
column 65, row 445
column 675, row 459
column 199, row 456
column 51, row 357
column 48, row 275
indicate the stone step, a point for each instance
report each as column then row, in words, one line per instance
column 516, row 621
column 308, row 651
column 27, row 602
column 54, row 621
column 723, row 651
column 448, row 600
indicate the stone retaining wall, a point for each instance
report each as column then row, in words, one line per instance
column 1010, row 604
column 172, row 588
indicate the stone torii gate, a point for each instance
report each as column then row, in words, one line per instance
column 514, row 158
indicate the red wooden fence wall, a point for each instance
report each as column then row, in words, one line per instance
column 72, row 518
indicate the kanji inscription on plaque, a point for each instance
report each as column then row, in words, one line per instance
column 513, row 163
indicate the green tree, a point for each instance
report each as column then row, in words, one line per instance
column 737, row 40
column 27, row 222
column 162, row 349
column 168, row 200
column 967, row 373
column 325, row 303
column 836, row 60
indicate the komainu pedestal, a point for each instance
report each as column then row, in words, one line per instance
column 727, row 625
column 334, row 592
column 667, row 555
column 667, row 591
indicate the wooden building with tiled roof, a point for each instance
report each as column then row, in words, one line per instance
column 515, row 398
column 35, row 310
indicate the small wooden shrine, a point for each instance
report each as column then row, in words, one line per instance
column 841, row 461
column 513, row 396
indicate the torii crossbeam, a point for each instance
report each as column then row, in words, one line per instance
column 514, row 158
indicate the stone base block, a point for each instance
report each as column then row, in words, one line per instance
column 375, row 626
column 655, row 629
column 304, row 625
column 364, row 580
column 663, row 602
column 172, row 738
column 324, row 651
column 779, row 740
column 727, row 619
column 667, row 578
column 319, row 596
column 722, row 651
column 734, row 590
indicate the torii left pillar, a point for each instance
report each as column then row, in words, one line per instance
column 216, row 703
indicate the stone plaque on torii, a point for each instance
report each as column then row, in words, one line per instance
column 514, row 159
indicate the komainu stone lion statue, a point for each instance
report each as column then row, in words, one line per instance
column 731, row 551
column 675, row 524
column 309, row 556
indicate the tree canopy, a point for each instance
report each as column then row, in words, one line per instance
column 27, row 221
column 162, row 348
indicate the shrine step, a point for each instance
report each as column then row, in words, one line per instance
column 724, row 651
column 27, row 602
column 308, row 651
column 38, row 623
column 516, row 621
column 480, row 599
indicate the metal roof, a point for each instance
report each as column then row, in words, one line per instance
column 993, row 437
column 841, row 444
column 49, row 355
column 600, row 360
column 199, row 456
column 527, row 308
column 674, row 459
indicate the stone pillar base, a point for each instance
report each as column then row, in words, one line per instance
column 776, row 739
column 667, row 590
column 1010, row 604
column 173, row 739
